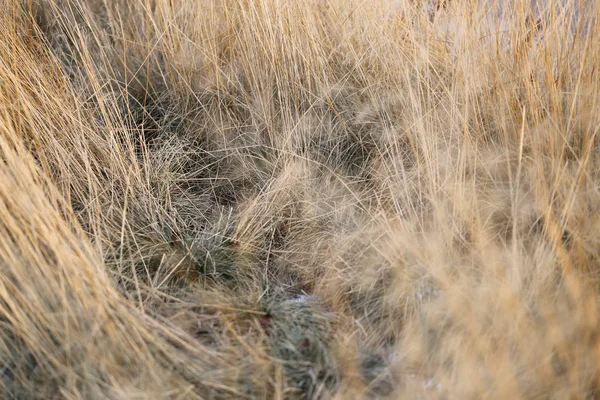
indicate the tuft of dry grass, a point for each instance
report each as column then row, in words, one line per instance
column 320, row 199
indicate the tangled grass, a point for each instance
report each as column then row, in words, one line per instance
column 299, row 199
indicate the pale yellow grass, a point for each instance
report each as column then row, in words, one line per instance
column 299, row 199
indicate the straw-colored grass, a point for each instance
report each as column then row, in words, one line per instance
column 319, row 199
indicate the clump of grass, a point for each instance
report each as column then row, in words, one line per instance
column 299, row 334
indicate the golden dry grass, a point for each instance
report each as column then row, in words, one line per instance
column 299, row 199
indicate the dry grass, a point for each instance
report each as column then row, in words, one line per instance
column 299, row 199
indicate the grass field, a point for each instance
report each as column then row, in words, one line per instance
column 317, row 199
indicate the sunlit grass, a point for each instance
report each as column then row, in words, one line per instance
column 310, row 199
